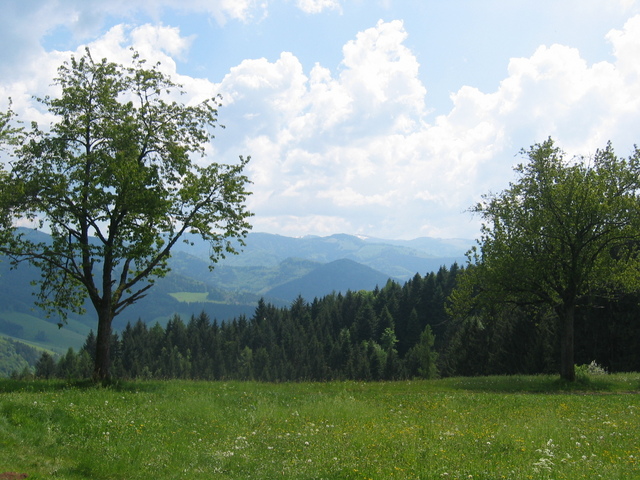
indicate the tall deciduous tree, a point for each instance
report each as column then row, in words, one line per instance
column 565, row 228
column 117, row 182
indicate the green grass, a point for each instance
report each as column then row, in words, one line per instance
column 194, row 297
column 73, row 334
column 480, row 428
column 190, row 297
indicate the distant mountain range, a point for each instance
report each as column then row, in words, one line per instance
column 400, row 259
column 273, row 267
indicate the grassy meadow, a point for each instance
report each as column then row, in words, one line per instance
column 461, row 428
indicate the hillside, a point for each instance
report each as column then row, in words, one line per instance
column 339, row 276
column 16, row 356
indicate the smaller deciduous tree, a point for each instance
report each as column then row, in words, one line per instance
column 565, row 228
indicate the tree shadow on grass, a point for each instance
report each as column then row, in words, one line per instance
column 41, row 386
column 549, row 384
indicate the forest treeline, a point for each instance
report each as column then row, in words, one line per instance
column 394, row 332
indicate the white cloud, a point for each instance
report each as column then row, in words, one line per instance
column 317, row 6
column 149, row 40
column 626, row 47
column 350, row 150
column 555, row 92
column 23, row 25
column 293, row 225
column 263, row 86
column 353, row 144
column 154, row 43
column 381, row 73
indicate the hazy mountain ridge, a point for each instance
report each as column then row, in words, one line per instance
column 337, row 276
column 400, row 259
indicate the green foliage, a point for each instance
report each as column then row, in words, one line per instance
column 564, row 228
column 586, row 371
column 351, row 336
column 452, row 428
column 46, row 366
column 115, row 182
column 15, row 357
column 412, row 338
column 562, row 231
column 422, row 358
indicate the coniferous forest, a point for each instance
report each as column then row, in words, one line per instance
column 394, row 332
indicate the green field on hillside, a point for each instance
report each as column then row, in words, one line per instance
column 464, row 428
column 190, row 297
column 43, row 333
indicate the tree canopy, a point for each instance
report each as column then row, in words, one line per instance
column 564, row 229
column 117, row 182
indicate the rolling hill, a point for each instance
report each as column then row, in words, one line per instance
column 336, row 276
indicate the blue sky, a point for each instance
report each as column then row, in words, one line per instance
column 381, row 118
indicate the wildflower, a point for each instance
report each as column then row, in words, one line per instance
column 545, row 463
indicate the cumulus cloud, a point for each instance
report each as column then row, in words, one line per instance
column 555, row 92
column 154, row 43
column 317, row 131
column 354, row 143
column 24, row 24
column 350, row 150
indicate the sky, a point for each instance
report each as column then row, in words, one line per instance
column 381, row 118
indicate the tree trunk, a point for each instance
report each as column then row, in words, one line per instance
column 102, row 367
column 567, row 363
